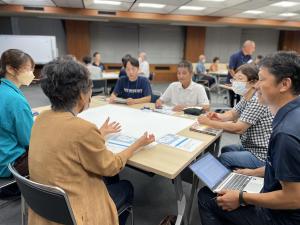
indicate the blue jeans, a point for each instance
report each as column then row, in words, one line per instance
column 121, row 193
column 235, row 156
column 212, row 214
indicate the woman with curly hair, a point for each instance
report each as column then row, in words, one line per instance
column 69, row 152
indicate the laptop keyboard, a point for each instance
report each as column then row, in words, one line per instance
column 238, row 182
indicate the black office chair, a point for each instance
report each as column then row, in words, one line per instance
column 151, row 76
column 203, row 82
column 98, row 87
column 6, row 183
column 155, row 95
column 207, row 90
column 8, row 191
column 49, row 202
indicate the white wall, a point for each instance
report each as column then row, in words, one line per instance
column 223, row 42
column 162, row 43
column 266, row 39
column 114, row 40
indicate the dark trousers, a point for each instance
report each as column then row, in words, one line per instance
column 202, row 77
column 209, row 79
column 121, row 193
column 232, row 97
column 21, row 164
column 235, row 156
column 212, row 214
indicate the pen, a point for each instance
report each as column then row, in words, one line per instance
column 146, row 108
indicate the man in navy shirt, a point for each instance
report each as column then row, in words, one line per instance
column 239, row 58
column 279, row 201
column 135, row 89
column 97, row 61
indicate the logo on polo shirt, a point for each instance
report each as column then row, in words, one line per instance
column 133, row 91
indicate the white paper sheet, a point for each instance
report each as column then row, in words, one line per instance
column 181, row 142
column 135, row 121
column 110, row 75
column 165, row 110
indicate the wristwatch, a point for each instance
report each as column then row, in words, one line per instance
column 241, row 199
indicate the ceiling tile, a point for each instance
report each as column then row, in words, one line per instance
column 254, row 16
column 165, row 10
column 224, row 4
column 30, row 2
column 206, row 11
column 165, row 2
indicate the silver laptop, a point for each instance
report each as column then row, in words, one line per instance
column 217, row 177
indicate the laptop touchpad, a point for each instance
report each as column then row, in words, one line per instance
column 255, row 185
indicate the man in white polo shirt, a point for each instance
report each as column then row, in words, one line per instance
column 184, row 93
column 144, row 66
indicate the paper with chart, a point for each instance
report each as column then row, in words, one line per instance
column 118, row 142
column 181, row 142
column 135, row 122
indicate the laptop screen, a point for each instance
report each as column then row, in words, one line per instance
column 209, row 170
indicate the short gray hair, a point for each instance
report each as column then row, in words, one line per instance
column 186, row 64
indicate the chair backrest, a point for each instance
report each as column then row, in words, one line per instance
column 207, row 90
column 151, row 76
column 155, row 95
column 5, row 182
column 98, row 86
column 47, row 201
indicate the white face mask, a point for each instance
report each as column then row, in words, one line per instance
column 86, row 105
column 239, row 87
column 25, row 78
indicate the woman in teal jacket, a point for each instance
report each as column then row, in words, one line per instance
column 15, row 113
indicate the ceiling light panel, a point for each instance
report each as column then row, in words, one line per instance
column 151, row 5
column 69, row 3
column 288, row 14
column 108, row 5
column 158, row 6
column 286, row 4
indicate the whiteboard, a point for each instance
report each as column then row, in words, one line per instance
column 41, row 48
column 135, row 122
